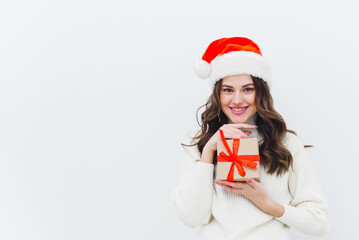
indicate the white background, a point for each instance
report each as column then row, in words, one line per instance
column 96, row 96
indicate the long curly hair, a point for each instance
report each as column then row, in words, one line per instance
column 271, row 126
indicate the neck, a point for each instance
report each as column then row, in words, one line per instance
column 250, row 121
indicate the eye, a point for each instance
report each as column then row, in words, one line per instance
column 227, row 90
column 248, row 89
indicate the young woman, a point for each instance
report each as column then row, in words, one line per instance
column 288, row 194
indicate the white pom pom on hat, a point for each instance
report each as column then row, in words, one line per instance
column 232, row 56
column 203, row 69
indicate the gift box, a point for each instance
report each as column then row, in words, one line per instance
column 237, row 159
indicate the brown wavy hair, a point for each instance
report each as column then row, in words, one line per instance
column 271, row 126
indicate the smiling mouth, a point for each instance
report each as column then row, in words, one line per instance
column 238, row 109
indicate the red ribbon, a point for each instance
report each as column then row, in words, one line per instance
column 238, row 160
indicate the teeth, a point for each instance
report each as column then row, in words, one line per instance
column 238, row 109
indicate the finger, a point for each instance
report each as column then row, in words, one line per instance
column 244, row 137
column 242, row 125
column 251, row 182
column 231, row 132
column 230, row 189
column 222, row 184
column 247, row 132
column 237, row 185
column 242, row 131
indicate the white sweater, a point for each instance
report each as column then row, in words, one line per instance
column 199, row 202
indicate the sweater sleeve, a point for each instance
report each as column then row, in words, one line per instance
column 192, row 199
column 308, row 211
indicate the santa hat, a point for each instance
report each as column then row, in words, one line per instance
column 232, row 56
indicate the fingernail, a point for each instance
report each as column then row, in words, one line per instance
column 249, row 180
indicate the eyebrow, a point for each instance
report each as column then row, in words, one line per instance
column 245, row 85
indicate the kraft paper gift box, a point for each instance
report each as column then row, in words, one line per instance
column 237, row 159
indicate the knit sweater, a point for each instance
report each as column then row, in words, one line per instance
column 220, row 214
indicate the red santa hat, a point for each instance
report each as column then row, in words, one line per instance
column 232, row 56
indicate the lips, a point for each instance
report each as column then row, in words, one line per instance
column 238, row 110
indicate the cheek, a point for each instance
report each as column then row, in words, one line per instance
column 225, row 100
column 252, row 103
column 252, row 99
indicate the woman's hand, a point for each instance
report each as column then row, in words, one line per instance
column 231, row 130
column 252, row 190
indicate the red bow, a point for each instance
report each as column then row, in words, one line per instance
column 238, row 160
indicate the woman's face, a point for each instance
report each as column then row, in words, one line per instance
column 237, row 98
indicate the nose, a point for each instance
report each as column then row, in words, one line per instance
column 237, row 98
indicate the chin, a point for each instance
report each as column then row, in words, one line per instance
column 240, row 119
column 233, row 118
